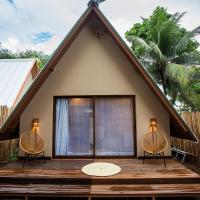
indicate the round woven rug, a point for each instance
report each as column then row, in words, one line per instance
column 101, row 169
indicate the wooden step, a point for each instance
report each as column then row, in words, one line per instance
column 44, row 190
column 75, row 176
column 144, row 190
column 96, row 181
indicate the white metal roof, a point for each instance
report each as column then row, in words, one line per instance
column 13, row 74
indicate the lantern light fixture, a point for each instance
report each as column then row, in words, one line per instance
column 153, row 124
column 35, row 125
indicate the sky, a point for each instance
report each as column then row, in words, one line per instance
column 42, row 24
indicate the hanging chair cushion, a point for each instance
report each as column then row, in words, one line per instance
column 101, row 169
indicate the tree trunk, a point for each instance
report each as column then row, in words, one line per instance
column 164, row 88
column 174, row 96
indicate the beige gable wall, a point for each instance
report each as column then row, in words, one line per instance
column 94, row 66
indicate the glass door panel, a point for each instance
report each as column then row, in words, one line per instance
column 114, row 127
column 74, row 127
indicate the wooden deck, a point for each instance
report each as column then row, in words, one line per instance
column 62, row 178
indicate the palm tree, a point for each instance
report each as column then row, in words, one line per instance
column 167, row 60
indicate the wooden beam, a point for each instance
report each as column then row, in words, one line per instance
column 26, row 197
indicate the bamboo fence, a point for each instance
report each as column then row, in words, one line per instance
column 193, row 121
column 7, row 147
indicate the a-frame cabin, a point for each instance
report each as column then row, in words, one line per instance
column 94, row 100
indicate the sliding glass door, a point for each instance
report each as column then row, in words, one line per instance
column 114, row 126
column 74, row 127
column 94, row 126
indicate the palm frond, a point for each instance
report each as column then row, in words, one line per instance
column 179, row 78
column 178, row 73
column 182, row 44
column 138, row 41
column 184, row 41
column 187, row 59
column 189, row 96
column 142, row 18
column 196, row 31
column 177, row 16
column 195, row 74
column 166, row 37
column 155, row 52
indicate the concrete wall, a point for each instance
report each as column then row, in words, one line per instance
column 94, row 66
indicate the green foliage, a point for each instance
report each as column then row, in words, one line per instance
column 168, row 51
column 39, row 55
column 6, row 54
column 13, row 157
column 162, row 25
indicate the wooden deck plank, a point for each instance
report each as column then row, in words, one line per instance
column 64, row 178
column 146, row 190
column 47, row 189
column 102, row 190
column 60, row 173
column 131, row 168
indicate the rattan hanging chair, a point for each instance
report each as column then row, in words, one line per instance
column 32, row 145
column 154, row 144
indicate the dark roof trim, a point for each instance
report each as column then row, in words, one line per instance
column 35, row 69
column 66, row 43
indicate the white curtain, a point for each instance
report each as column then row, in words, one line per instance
column 62, row 127
column 74, row 127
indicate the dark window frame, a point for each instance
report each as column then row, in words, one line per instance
column 93, row 97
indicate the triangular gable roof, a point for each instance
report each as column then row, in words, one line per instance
column 178, row 127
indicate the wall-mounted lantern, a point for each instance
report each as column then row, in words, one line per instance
column 153, row 124
column 35, row 125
